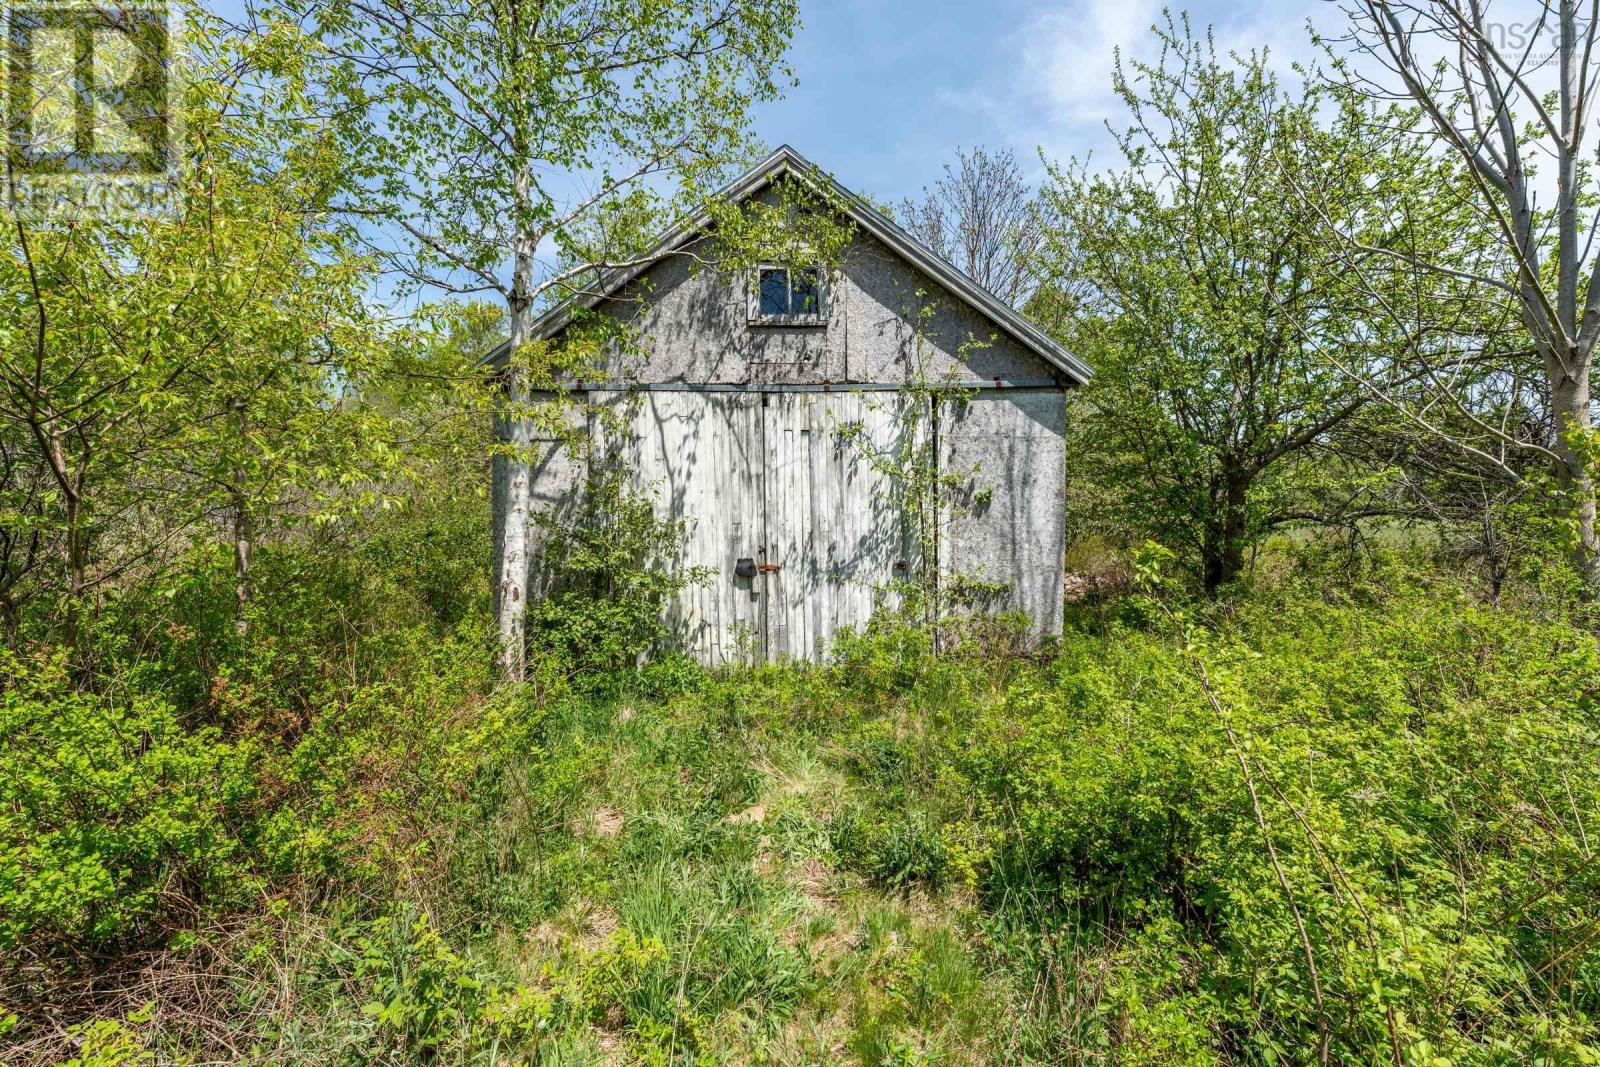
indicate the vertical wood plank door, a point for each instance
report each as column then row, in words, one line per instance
column 701, row 456
column 835, row 522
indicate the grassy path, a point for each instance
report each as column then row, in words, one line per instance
column 688, row 880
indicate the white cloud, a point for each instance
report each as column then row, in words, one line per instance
column 1059, row 96
column 1067, row 56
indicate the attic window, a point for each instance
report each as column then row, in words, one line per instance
column 784, row 296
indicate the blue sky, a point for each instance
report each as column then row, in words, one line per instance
column 889, row 90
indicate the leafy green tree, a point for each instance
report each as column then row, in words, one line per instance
column 168, row 376
column 277, row 424
column 1230, row 349
column 499, row 131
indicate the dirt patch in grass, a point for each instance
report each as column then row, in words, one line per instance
column 604, row 821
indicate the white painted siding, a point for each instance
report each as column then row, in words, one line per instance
column 700, row 455
column 780, row 482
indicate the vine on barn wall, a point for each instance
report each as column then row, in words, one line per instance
column 931, row 495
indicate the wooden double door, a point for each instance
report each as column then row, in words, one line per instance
column 801, row 487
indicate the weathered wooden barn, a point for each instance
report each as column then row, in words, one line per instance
column 766, row 408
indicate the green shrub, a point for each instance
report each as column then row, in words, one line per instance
column 428, row 1000
column 1424, row 773
column 893, row 848
column 891, row 655
column 195, row 762
column 112, row 810
column 610, row 581
column 112, row 1042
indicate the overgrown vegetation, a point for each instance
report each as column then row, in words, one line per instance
column 1358, row 822
column 1311, row 783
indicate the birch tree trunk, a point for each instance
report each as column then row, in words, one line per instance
column 243, row 545
column 1570, row 402
column 511, row 594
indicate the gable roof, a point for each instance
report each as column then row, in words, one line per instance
column 786, row 161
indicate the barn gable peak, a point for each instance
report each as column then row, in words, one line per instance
column 786, row 161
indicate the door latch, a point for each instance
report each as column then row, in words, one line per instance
column 769, row 568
